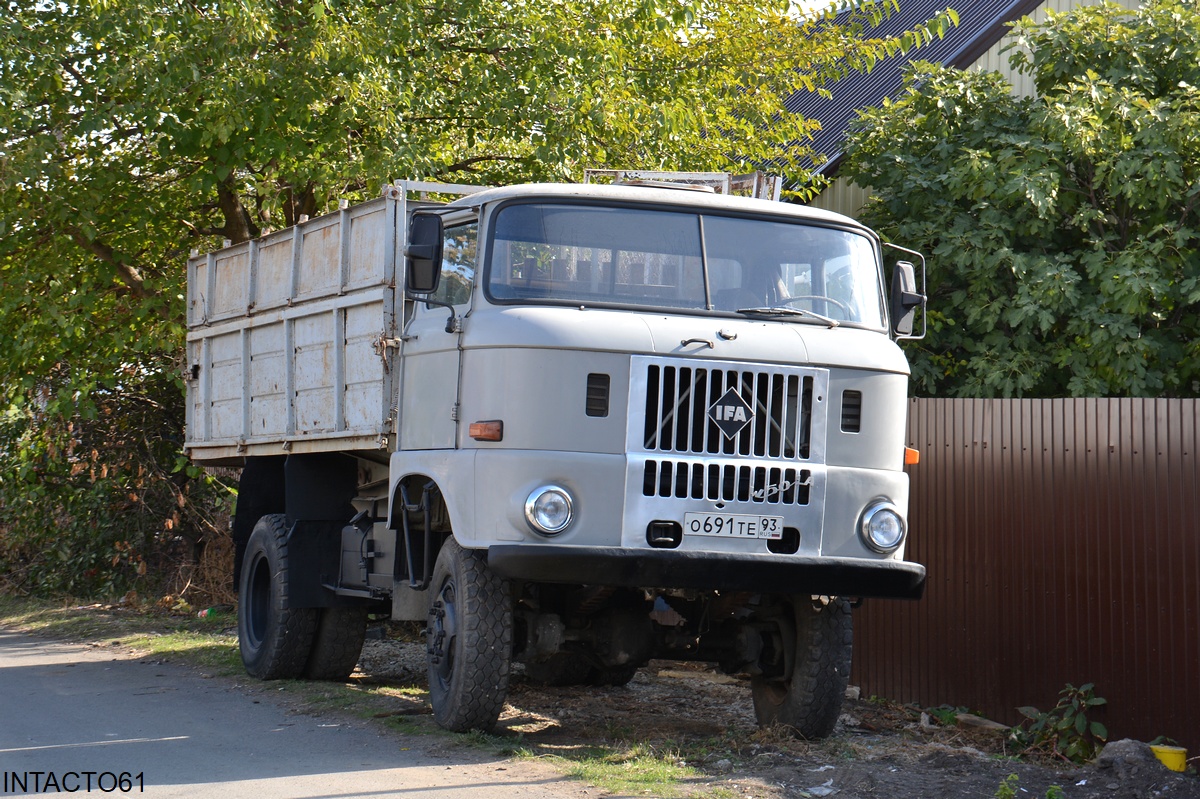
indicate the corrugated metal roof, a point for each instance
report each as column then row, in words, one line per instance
column 982, row 23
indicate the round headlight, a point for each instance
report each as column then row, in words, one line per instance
column 548, row 510
column 883, row 527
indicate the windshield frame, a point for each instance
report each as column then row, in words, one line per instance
column 488, row 249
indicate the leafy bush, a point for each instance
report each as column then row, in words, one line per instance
column 95, row 497
column 1064, row 731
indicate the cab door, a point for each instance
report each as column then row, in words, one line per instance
column 430, row 361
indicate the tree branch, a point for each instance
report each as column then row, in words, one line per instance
column 128, row 274
column 466, row 164
column 239, row 226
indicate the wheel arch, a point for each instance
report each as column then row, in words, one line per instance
column 423, row 521
column 312, row 494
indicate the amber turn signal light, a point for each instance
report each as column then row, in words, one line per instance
column 487, row 431
column 911, row 456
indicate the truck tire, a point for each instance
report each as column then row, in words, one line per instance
column 275, row 639
column 468, row 640
column 809, row 699
column 337, row 644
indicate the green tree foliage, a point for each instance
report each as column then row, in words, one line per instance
column 1062, row 229
column 134, row 130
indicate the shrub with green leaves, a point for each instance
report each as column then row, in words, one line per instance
column 95, row 498
column 1065, row 731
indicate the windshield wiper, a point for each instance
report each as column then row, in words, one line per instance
column 781, row 311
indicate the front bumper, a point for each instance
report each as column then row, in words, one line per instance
column 721, row 571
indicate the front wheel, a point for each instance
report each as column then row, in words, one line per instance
column 468, row 640
column 275, row 639
column 809, row 698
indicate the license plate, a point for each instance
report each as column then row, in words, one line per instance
column 733, row 525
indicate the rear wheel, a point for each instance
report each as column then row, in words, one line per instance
column 275, row 639
column 809, row 698
column 337, row 644
column 468, row 640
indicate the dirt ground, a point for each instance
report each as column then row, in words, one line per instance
column 878, row 750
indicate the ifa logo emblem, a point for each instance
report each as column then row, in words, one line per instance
column 730, row 413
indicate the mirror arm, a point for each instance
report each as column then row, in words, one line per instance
column 453, row 324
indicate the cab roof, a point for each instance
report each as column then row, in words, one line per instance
column 680, row 197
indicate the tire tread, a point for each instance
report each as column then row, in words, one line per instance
column 814, row 694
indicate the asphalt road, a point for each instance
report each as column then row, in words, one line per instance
column 86, row 716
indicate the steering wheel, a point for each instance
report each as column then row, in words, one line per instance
column 819, row 298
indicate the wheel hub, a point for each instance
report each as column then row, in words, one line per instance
column 443, row 631
column 258, row 602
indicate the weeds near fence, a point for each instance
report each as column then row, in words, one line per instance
column 1064, row 732
column 1010, row 788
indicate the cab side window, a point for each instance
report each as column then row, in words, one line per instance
column 460, row 246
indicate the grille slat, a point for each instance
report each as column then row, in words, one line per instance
column 684, row 405
column 651, row 437
column 712, row 436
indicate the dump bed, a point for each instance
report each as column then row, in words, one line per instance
column 289, row 337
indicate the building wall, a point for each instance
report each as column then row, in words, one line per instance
column 847, row 198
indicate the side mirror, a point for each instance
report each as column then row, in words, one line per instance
column 905, row 300
column 423, row 255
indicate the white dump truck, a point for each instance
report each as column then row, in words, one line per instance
column 574, row 427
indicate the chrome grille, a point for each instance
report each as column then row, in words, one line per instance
column 678, row 399
column 727, row 482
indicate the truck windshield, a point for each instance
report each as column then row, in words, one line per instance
column 704, row 262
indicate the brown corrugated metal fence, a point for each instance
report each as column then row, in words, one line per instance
column 1062, row 546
